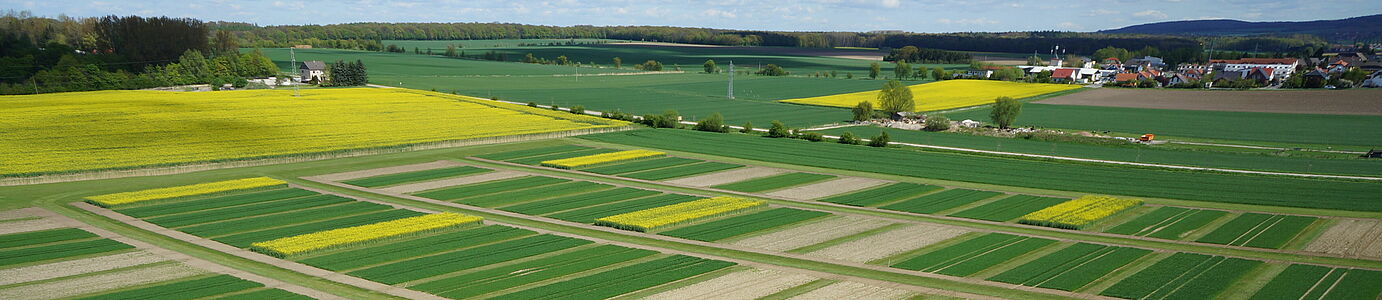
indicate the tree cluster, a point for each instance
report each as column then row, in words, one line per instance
column 344, row 73
column 772, row 70
column 912, row 54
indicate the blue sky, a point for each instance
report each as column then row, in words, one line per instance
column 809, row 15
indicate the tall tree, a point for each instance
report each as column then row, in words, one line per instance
column 862, row 111
column 902, row 70
column 618, row 62
column 896, row 97
column 710, row 66
column 874, row 68
column 1005, row 111
column 225, row 44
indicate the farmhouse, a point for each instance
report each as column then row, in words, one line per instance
column 1280, row 67
column 312, row 71
column 1374, row 80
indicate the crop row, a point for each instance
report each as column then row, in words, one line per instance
column 1071, row 268
column 529, row 194
column 740, row 225
column 415, row 176
column 622, row 280
column 378, row 254
column 266, row 294
column 1259, row 230
column 245, row 239
column 513, row 275
column 484, row 188
column 680, row 171
column 214, row 202
column 589, row 214
column 603, row 158
column 535, row 160
column 531, row 152
column 1077, row 213
column 773, row 182
column 657, row 217
column 261, row 208
column 974, row 255
column 641, row 165
column 883, row 194
column 177, row 192
column 43, row 237
column 940, row 201
column 546, row 206
column 1183, row 276
column 261, row 222
column 1317, row 282
column 429, row 266
column 61, row 250
column 1168, row 222
column 1009, row 208
column 189, row 289
column 349, row 236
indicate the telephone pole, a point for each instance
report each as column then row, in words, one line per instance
column 731, row 80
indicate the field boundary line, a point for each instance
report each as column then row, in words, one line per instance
column 180, row 257
column 977, row 224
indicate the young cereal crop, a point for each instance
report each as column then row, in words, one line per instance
column 343, row 237
column 1183, row 276
column 1009, row 208
column 1071, row 268
column 417, row 176
column 1317, row 282
column 653, row 218
column 884, row 194
column 171, row 193
column 604, row 158
column 1168, row 222
column 944, row 200
column 740, row 225
column 945, row 94
column 1077, row 213
column 972, row 256
column 1259, row 230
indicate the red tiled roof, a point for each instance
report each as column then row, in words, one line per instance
column 1063, row 73
column 1125, row 77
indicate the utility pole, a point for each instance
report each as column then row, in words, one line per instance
column 293, row 57
column 731, row 80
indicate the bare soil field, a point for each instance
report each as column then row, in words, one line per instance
column 811, row 234
column 888, row 243
column 828, row 188
column 733, row 175
column 855, row 290
column 1341, row 102
column 1351, row 237
column 748, row 285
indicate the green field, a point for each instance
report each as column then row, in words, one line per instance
column 773, row 182
column 974, row 255
column 439, row 46
column 1183, row 276
column 1259, row 230
column 681, row 171
column 691, row 58
column 1316, row 282
column 1129, row 152
column 1241, row 189
column 1071, row 268
column 744, row 224
column 416, row 176
column 1168, row 222
column 523, row 193
column 936, row 202
column 641, row 165
column 1009, row 208
column 1221, row 125
column 486, row 188
column 883, row 194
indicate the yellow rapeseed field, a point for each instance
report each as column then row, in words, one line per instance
column 1077, row 213
column 68, row 132
column 946, row 94
column 662, row 216
column 209, row 188
column 603, row 158
column 342, row 237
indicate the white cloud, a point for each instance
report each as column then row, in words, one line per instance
column 892, row 3
column 1150, row 14
column 718, row 13
column 975, row 21
column 1101, row 12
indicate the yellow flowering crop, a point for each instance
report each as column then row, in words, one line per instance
column 74, row 132
column 117, row 199
column 342, row 237
column 652, row 218
column 590, row 160
column 1077, row 213
column 946, row 94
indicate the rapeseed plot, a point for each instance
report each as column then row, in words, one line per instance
column 74, row 132
column 118, row 199
column 945, row 94
column 652, row 218
column 1077, row 213
column 603, row 158
column 342, row 237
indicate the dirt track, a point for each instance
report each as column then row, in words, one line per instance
column 1343, row 102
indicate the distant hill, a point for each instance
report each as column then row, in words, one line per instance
column 1365, row 28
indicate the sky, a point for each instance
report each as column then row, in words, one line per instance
column 806, row 15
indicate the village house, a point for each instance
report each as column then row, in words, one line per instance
column 1374, row 80
column 1280, row 67
column 312, row 71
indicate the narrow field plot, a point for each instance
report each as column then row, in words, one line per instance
column 946, row 94
column 27, row 226
column 746, row 285
column 513, row 275
column 76, row 267
column 855, row 290
column 681, row 171
column 1071, row 268
column 205, row 189
column 602, row 159
column 1170, row 223
column 450, row 182
column 940, row 201
column 672, row 215
column 624, row 280
column 883, row 194
column 415, row 176
column 642, row 165
column 1351, row 237
column 740, row 225
column 429, row 266
column 214, row 202
column 451, row 241
column 261, row 208
column 244, row 240
column 1259, row 230
column 773, row 182
column 972, row 256
column 362, row 234
column 283, row 219
column 532, row 152
column 12, row 214
column 1183, row 276
column 190, row 289
column 828, row 188
column 589, row 214
column 100, row 282
column 812, row 233
column 1317, row 282
column 43, row 237
column 1009, row 208
column 1079, row 212
column 542, row 207
column 349, row 175
column 719, row 178
column 485, row 188
column 542, row 192
column 535, row 160
column 13, row 256
column 887, row 243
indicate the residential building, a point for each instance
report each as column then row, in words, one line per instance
column 1281, row 67
column 1374, row 80
column 312, row 70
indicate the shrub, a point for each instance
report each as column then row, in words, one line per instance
column 881, row 140
column 863, row 111
column 937, row 123
column 239, row 82
column 670, row 119
column 848, row 138
column 714, row 123
column 580, row 110
column 748, row 127
column 813, row 136
column 530, row 104
column 778, row 130
column 772, row 70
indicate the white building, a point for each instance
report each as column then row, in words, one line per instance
column 1281, row 67
column 312, row 69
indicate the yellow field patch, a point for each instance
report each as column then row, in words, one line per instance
column 66, row 132
column 945, row 94
column 109, row 200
